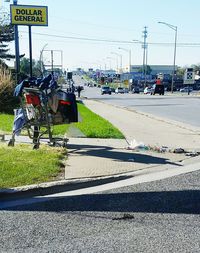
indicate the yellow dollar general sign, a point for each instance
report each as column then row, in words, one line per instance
column 29, row 15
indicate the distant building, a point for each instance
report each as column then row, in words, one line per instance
column 155, row 69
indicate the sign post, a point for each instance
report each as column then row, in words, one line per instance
column 31, row 16
column 30, row 51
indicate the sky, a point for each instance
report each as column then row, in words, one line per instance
column 114, row 21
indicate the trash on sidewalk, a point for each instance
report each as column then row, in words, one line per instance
column 133, row 145
column 161, row 149
column 179, row 151
column 193, row 154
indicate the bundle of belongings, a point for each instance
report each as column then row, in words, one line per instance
column 44, row 95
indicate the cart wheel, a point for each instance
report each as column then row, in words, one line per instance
column 36, row 146
column 57, row 144
column 11, row 143
column 65, row 140
column 64, row 144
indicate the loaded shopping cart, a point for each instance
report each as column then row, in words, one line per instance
column 43, row 104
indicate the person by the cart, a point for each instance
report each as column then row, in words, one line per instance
column 79, row 89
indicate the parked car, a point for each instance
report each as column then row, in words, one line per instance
column 119, row 90
column 186, row 89
column 147, row 90
column 136, row 90
column 105, row 90
column 158, row 89
column 126, row 90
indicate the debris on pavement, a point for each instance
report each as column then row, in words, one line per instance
column 133, row 145
column 179, row 151
column 192, row 154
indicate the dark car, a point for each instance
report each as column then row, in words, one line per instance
column 105, row 90
column 112, row 89
column 158, row 89
column 186, row 89
column 136, row 90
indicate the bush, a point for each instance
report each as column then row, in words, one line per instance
column 7, row 101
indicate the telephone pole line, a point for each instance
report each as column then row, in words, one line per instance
column 144, row 46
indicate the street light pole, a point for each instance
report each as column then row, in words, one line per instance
column 144, row 55
column 129, row 51
column 120, row 70
column 110, row 58
column 41, row 59
column 117, row 65
column 173, row 27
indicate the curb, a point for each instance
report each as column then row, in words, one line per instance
column 56, row 187
column 48, row 188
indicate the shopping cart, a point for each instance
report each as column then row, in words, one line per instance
column 38, row 113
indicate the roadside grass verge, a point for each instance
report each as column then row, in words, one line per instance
column 6, row 122
column 92, row 125
column 21, row 165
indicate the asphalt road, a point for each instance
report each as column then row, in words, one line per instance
column 160, row 216
column 179, row 107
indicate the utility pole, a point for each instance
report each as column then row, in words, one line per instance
column 144, row 46
column 52, row 65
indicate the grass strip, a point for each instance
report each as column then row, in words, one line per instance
column 21, row 165
column 92, row 125
column 6, row 122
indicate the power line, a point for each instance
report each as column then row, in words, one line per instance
column 183, row 44
column 82, row 38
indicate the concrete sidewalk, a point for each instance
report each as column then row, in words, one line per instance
column 106, row 157
column 146, row 128
column 93, row 158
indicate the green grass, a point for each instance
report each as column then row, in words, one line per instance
column 6, row 122
column 92, row 125
column 60, row 130
column 21, row 165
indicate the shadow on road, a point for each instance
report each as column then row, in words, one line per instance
column 179, row 202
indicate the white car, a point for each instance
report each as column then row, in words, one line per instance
column 147, row 90
column 119, row 90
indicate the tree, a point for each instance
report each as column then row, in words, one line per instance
column 180, row 71
column 148, row 69
column 6, row 35
column 196, row 67
column 25, row 67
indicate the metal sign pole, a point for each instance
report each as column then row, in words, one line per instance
column 30, row 51
column 17, row 60
column 52, row 62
